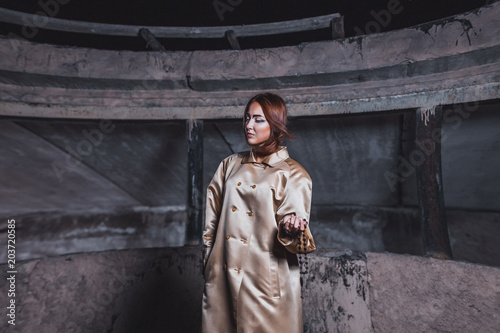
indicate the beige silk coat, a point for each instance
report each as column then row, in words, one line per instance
column 252, row 278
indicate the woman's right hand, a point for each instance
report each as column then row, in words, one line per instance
column 294, row 224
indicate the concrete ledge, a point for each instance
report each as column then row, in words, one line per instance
column 158, row 290
column 55, row 233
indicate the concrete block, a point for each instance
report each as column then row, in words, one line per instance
column 153, row 290
column 160, row 290
column 335, row 293
column 415, row 294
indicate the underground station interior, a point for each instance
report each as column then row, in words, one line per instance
column 111, row 131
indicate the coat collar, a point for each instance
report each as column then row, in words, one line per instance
column 272, row 160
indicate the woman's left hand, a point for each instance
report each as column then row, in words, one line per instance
column 293, row 223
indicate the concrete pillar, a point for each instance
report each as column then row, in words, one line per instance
column 427, row 158
column 195, row 182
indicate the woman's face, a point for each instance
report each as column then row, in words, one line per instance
column 257, row 128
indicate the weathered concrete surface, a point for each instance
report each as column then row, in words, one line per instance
column 147, row 160
column 60, row 165
column 153, row 290
column 30, row 184
column 160, row 290
column 471, row 134
column 367, row 229
column 471, row 163
column 359, row 148
column 335, row 292
column 56, row 233
column 475, row 236
column 346, row 156
column 451, row 61
column 414, row 294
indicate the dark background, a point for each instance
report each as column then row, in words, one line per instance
column 356, row 13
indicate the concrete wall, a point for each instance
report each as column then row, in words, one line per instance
column 41, row 235
column 73, row 191
column 159, row 290
column 129, row 191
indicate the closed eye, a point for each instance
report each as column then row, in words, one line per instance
column 258, row 118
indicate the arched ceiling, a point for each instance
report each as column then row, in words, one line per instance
column 454, row 60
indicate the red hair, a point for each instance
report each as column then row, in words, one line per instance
column 275, row 111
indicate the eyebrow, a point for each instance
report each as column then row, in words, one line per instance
column 254, row 116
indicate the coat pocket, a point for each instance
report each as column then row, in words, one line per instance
column 274, row 276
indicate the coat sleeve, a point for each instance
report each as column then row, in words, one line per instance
column 214, row 198
column 296, row 201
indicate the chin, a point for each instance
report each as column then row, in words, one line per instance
column 252, row 142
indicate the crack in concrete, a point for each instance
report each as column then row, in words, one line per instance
column 224, row 138
column 466, row 25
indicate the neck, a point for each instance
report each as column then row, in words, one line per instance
column 261, row 151
column 258, row 158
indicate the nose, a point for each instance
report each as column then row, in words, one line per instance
column 250, row 124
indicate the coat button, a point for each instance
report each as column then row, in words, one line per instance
column 239, row 183
column 253, row 186
column 233, row 209
column 249, row 213
column 227, row 237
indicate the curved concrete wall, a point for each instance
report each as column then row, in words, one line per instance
column 451, row 61
column 159, row 290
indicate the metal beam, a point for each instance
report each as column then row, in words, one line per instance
column 430, row 183
column 337, row 26
column 151, row 40
column 51, row 23
column 233, row 40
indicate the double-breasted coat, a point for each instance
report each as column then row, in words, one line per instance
column 252, row 278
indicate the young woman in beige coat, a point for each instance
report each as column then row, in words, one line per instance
column 258, row 205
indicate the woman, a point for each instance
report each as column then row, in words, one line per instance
column 257, row 208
